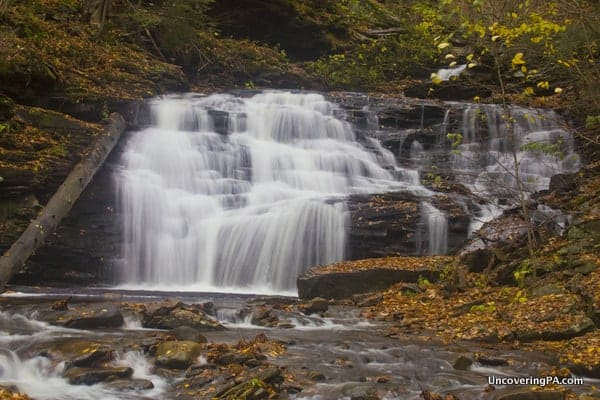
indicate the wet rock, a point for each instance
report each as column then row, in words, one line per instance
column 61, row 305
column 563, row 183
column 462, row 363
column 91, row 376
column 255, row 387
column 125, row 385
column 92, row 358
column 86, row 316
column 150, row 344
column 317, row 305
column 255, row 362
column 491, row 361
column 528, row 394
column 357, row 391
column 197, row 382
column 285, row 325
column 177, row 354
column 197, row 369
column 493, row 241
column 187, row 333
column 263, row 316
column 171, row 313
column 316, row 376
column 370, row 300
column 592, row 371
column 232, row 358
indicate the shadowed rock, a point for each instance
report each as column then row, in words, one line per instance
column 91, row 376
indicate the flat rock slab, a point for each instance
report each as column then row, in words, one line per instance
column 342, row 280
column 91, row 376
column 85, row 316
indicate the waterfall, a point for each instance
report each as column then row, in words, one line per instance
column 436, row 224
column 484, row 161
column 242, row 193
column 224, row 192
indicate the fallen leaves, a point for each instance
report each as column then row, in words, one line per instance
column 435, row 263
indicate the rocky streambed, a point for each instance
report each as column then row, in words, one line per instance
column 98, row 344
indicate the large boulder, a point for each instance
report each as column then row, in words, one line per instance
column 344, row 279
column 172, row 313
column 177, row 354
column 85, row 316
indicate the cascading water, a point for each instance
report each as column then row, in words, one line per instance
column 243, row 194
column 248, row 208
column 493, row 137
column 437, row 229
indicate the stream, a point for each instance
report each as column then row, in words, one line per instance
column 348, row 356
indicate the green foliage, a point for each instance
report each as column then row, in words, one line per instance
column 489, row 307
column 520, row 296
column 592, row 122
column 456, row 140
column 257, row 383
column 516, row 40
column 358, row 70
column 521, row 272
column 423, row 282
column 556, row 149
column 372, row 63
column 168, row 28
column 242, row 59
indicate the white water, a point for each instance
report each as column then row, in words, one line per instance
column 446, row 74
column 249, row 210
column 492, row 151
column 42, row 379
column 232, row 194
column 484, row 161
column 437, row 229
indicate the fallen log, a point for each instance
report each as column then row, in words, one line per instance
column 61, row 202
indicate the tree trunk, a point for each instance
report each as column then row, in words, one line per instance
column 61, row 202
column 98, row 11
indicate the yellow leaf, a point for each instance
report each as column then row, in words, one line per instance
column 518, row 60
column 435, row 78
column 558, row 90
column 443, row 45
